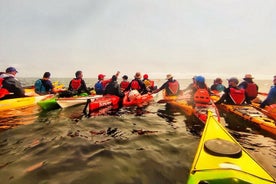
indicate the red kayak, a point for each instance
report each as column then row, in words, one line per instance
column 104, row 101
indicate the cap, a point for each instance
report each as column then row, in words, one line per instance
column 11, row 69
column 145, row 76
column 200, row 79
column 169, row 76
column 101, row 76
column 233, row 79
column 248, row 76
column 137, row 75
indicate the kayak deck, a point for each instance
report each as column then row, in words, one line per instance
column 221, row 164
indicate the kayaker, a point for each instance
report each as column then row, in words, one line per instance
column 44, row 86
column 191, row 85
column 101, row 83
column 10, row 85
column 77, row 85
column 217, row 86
column 149, row 83
column 250, row 87
column 200, row 92
column 233, row 94
column 124, row 83
column 171, row 86
column 271, row 97
column 137, row 84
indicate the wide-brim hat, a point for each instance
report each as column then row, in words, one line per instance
column 248, row 76
column 169, row 76
column 137, row 75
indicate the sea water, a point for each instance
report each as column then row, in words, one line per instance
column 64, row 146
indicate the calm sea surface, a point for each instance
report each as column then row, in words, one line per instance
column 63, row 146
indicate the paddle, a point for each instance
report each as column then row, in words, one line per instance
column 262, row 93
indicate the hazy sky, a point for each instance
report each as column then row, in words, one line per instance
column 183, row 37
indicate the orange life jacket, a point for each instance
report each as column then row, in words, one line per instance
column 251, row 90
column 173, row 87
column 76, row 84
column 237, row 95
column 202, row 96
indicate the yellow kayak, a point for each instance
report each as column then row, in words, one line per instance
column 16, row 103
column 221, row 159
column 254, row 117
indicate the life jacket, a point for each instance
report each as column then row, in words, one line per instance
column 3, row 91
column 149, row 83
column 124, row 84
column 202, row 96
column 237, row 95
column 76, row 84
column 99, row 87
column 173, row 87
column 135, row 85
column 251, row 90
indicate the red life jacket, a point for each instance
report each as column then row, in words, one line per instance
column 124, row 84
column 251, row 90
column 173, row 87
column 3, row 91
column 76, row 84
column 202, row 96
column 237, row 95
column 135, row 85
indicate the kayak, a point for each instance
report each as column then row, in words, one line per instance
column 65, row 102
column 104, row 101
column 16, row 103
column 221, row 159
column 49, row 103
column 138, row 100
column 198, row 109
column 269, row 110
column 254, row 117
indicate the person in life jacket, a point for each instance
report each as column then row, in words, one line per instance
column 171, row 86
column 101, row 83
column 44, row 86
column 124, row 83
column 77, row 85
column 191, row 85
column 217, row 86
column 251, row 88
column 200, row 92
column 233, row 94
column 11, row 87
column 271, row 97
column 149, row 83
column 137, row 84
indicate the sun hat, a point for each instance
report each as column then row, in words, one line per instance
column 11, row 69
column 248, row 76
column 137, row 75
column 101, row 76
column 233, row 79
column 169, row 76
